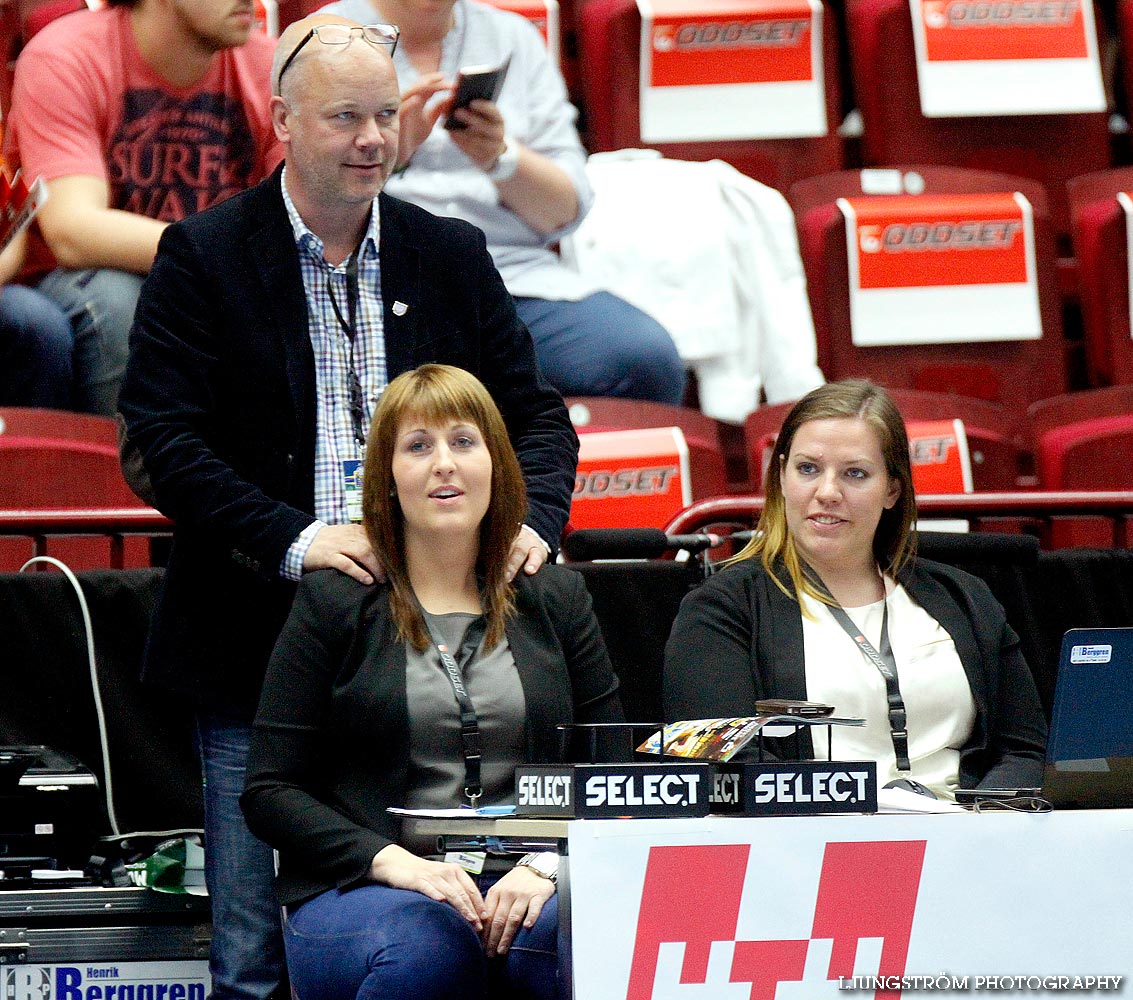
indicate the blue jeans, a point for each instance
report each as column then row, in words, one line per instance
column 36, row 344
column 378, row 943
column 603, row 346
column 246, row 961
column 100, row 304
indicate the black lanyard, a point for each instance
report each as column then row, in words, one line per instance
column 469, row 723
column 886, row 664
column 349, row 325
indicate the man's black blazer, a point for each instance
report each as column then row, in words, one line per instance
column 219, row 399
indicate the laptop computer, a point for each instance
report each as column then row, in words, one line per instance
column 1089, row 757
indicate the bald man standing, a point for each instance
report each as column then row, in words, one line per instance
column 266, row 331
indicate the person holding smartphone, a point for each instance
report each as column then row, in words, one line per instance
column 516, row 170
column 829, row 603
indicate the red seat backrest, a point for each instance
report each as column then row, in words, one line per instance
column 1048, row 148
column 1012, row 373
column 609, row 38
column 41, row 15
column 1100, row 233
column 707, row 468
column 1093, row 454
column 997, row 444
column 54, row 460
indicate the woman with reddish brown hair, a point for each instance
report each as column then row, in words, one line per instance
column 424, row 692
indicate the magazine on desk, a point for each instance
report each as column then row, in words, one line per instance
column 704, row 739
column 722, row 739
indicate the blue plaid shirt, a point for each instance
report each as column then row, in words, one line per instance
column 334, row 429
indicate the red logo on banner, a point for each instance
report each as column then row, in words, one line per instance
column 938, row 451
column 957, row 30
column 865, row 890
column 928, row 241
column 630, row 478
column 734, row 41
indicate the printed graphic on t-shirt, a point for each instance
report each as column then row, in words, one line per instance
column 172, row 158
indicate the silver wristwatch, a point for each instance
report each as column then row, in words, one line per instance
column 545, row 863
column 506, row 164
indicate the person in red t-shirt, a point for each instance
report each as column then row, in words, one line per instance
column 136, row 116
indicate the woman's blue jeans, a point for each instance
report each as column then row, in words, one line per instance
column 379, row 943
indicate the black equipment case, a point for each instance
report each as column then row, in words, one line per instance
column 94, row 943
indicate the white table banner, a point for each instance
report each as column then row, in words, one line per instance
column 731, row 69
column 825, row 907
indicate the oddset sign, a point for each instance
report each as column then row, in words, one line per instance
column 941, row 269
column 731, row 69
column 1006, row 57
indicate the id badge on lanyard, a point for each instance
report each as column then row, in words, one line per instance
column 352, row 489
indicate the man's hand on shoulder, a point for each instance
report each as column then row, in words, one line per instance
column 528, row 550
column 346, row 548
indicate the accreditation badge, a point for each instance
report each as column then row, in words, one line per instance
column 471, row 861
column 352, row 489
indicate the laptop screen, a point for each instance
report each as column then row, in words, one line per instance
column 1090, row 749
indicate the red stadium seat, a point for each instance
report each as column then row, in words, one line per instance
column 52, row 460
column 706, row 457
column 1012, row 373
column 1124, row 16
column 18, row 22
column 10, row 41
column 1088, row 454
column 761, row 428
column 1084, row 440
column 609, row 38
column 1048, row 148
column 38, row 17
column 998, row 447
column 1100, row 232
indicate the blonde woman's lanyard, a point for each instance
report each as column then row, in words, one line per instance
column 886, row 664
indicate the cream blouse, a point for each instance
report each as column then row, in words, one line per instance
column 938, row 700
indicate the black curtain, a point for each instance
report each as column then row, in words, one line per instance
column 45, row 692
column 46, row 696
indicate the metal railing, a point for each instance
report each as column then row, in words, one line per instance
column 1107, row 518
column 1103, row 518
column 115, row 524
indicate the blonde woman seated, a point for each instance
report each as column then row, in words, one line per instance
column 360, row 712
column 834, row 557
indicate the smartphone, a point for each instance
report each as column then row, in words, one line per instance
column 969, row 795
column 788, row 706
column 476, row 83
